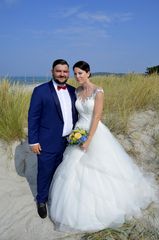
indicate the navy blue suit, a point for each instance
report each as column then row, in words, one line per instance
column 45, row 126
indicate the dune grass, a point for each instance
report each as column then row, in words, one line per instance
column 14, row 103
column 123, row 96
column 129, row 231
column 143, row 228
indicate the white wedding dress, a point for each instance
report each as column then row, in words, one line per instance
column 99, row 188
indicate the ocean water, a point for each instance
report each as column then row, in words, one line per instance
column 26, row 79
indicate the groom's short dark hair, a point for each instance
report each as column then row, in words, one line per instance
column 59, row 61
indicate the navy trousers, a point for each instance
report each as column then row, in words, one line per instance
column 47, row 164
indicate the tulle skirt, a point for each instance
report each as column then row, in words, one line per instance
column 99, row 188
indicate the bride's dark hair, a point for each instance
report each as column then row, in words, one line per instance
column 83, row 66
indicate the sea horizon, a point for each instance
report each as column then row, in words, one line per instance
column 26, row 79
column 32, row 79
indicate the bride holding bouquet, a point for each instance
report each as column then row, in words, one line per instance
column 97, row 185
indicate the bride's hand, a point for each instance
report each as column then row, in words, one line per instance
column 85, row 145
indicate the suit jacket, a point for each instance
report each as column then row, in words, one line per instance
column 45, row 120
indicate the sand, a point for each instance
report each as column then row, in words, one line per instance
column 19, row 219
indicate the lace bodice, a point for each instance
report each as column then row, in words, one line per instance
column 85, row 108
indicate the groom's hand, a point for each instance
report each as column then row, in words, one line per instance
column 36, row 148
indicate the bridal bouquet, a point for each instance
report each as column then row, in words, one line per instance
column 77, row 136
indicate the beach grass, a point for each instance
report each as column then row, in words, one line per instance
column 142, row 228
column 129, row 231
column 123, row 96
column 14, row 102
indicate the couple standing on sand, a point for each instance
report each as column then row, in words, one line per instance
column 90, row 186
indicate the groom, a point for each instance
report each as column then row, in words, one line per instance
column 51, row 117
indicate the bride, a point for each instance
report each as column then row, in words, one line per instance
column 97, row 185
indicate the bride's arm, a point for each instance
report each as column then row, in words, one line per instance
column 97, row 113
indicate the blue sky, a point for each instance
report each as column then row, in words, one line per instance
column 112, row 35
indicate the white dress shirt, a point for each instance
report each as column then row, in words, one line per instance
column 66, row 108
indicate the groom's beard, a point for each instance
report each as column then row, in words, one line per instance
column 60, row 83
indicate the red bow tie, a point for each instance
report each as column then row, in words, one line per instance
column 61, row 87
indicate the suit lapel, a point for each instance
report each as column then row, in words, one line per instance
column 55, row 98
column 73, row 103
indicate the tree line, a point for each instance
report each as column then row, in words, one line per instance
column 151, row 70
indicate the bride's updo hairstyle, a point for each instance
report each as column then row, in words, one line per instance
column 83, row 66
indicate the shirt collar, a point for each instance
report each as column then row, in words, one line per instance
column 55, row 84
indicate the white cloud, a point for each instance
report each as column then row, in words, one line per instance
column 77, row 14
column 78, row 25
column 70, row 11
column 74, row 35
column 100, row 17
column 81, row 33
column 123, row 17
column 65, row 12
column 96, row 17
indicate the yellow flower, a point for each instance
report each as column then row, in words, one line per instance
column 77, row 135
